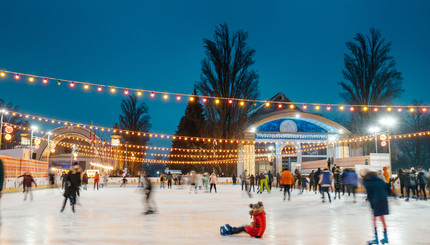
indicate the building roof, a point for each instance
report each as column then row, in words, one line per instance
column 279, row 97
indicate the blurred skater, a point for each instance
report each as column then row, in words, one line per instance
column 263, row 183
column 85, row 181
column 422, row 181
column 234, row 178
column 304, row 183
column 28, row 181
column 124, row 180
column 251, row 183
column 193, row 180
column 73, row 182
column 162, row 179
column 213, row 180
column 287, row 180
column 337, row 183
column 377, row 197
column 96, row 181
column 169, row 180
column 325, row 181
column 149, row 201
column 51, row 179
column 350, row 181
column 63, row 180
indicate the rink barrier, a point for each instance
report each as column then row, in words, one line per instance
column 14, row 167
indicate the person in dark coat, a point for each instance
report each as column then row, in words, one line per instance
column 411, row 183
column 422, row 181
column 337, row 183
column 251, row 183
column 234, row 178
column 62, row 177
column 73, row 182
column 1, row 176
column 51, row 179
column 85, row 181
column 28, row 183
column 270, row 179
column 377, row 196
column 312, row 180
column 150, row 204
column 317, row 180
column 278, row 179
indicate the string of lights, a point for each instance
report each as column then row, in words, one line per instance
column 211, row 99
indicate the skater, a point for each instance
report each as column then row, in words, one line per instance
column 96, row 181
column 200, row 181
column 243, row 177
column 85, row 181
column 51, row 178
column 350, row 180
column 124, row 180
column 401, row 176
column 326, row 179
column 337, row 183
column 206, row 181
column 193, row 179
column 287, row 179
column 169, row 180
column 150, row 204
column 73, row 182
column 317, row 179
column 270, row 179
column 234, row 178
column 422, row 181
column 263, row 183
column 251, row 183
column 278, row 180
column 257, row 227
column 213, row 180
column 311, row 180
column 162, row 179
column 28, row 181
column 63, row 180
column 411, row 184
column 304, row 184
column 377, row 197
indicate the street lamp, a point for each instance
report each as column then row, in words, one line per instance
column 33, row 128
column 49, row 145
column 388, row 122
column 375, row 130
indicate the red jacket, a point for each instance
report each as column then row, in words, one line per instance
column 259, row 227
column 28, row 180
column 96, row 179
column 287, row 178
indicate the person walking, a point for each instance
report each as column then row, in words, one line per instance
column 325, row 181
column 234, row 178
column 96, row 181
column 377, row 197
column 270, row 179
column 213, row 180
column 243, row 177
column 304, row 182
column 193, row 180
column 411, row 183
column 251, row 183
column 51, row 179
column 351, row 181
column 27, row 181
column 422, row 181
column 337, row 183
column 124, row 180
column 85, row 181
column 63, row 182
column 287, row 180
column 278, row 180
column 169, row 180
column 73, row 182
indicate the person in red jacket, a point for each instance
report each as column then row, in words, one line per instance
column 257, row 227
column 96, row 181
column 28, row 182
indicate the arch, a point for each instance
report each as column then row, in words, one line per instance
column 325, row 123
column 58, row 134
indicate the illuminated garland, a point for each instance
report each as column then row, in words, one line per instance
column 216, row 100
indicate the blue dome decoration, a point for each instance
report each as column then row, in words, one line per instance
column 302, row 126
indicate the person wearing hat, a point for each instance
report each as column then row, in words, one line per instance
column 325, row 181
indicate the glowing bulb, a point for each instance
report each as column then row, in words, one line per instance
column 178, row 97
column 17, row 76
column 99, row 88
column 352, row 108
column 267, row 104
column 424, row 109
column 230, row 101
column 2, row 74
column 165, row 96
column 242, row 103
column 113, row 90
column 31, row 79
column 341, row 108
column 399, row 109
column 191, row 98
column 389, row 109
column 126, row 92
column 59, row 82
column 45, row 81
column 365, row 108
column 305, row 107
column 317, row 107
column 375, row 109
column 205, row 100
column 72, row 84
column 86, row 86
column 291, row 106
column 328, row 108
column 411, row 109
column 279, row 106
column 139, row 93
column 152, row 95
column 217, row 101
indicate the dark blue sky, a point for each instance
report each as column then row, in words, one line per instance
column 157, row 45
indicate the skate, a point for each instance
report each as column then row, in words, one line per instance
column 73, row 208
column 373, row 241
column 385, row 239
column 228, row 227
column 223, row 231
column 407, row 199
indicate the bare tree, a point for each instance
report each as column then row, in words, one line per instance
column 370, row 76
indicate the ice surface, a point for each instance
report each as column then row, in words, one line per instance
column 114, row 216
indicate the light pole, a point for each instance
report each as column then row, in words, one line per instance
column 388, row 122
column 33, row 128
column 375, row 130
column 49, row 146
column 3, row 112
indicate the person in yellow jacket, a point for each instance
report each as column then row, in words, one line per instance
column 263, row 182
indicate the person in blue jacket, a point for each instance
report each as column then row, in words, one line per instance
column 377, row 196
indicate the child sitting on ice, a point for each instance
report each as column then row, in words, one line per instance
column 257, row 227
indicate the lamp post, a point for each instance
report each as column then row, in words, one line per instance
column 388, row 122
column 49, row 146
column 375, row 130
column 33, row 128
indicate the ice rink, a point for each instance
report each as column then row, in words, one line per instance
column 114, row 215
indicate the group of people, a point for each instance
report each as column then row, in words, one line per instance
column 263, row 181
column 413, row 181
column 199, row 181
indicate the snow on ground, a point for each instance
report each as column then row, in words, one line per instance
column 114, row 216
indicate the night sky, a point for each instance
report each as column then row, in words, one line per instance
column 157, row 45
